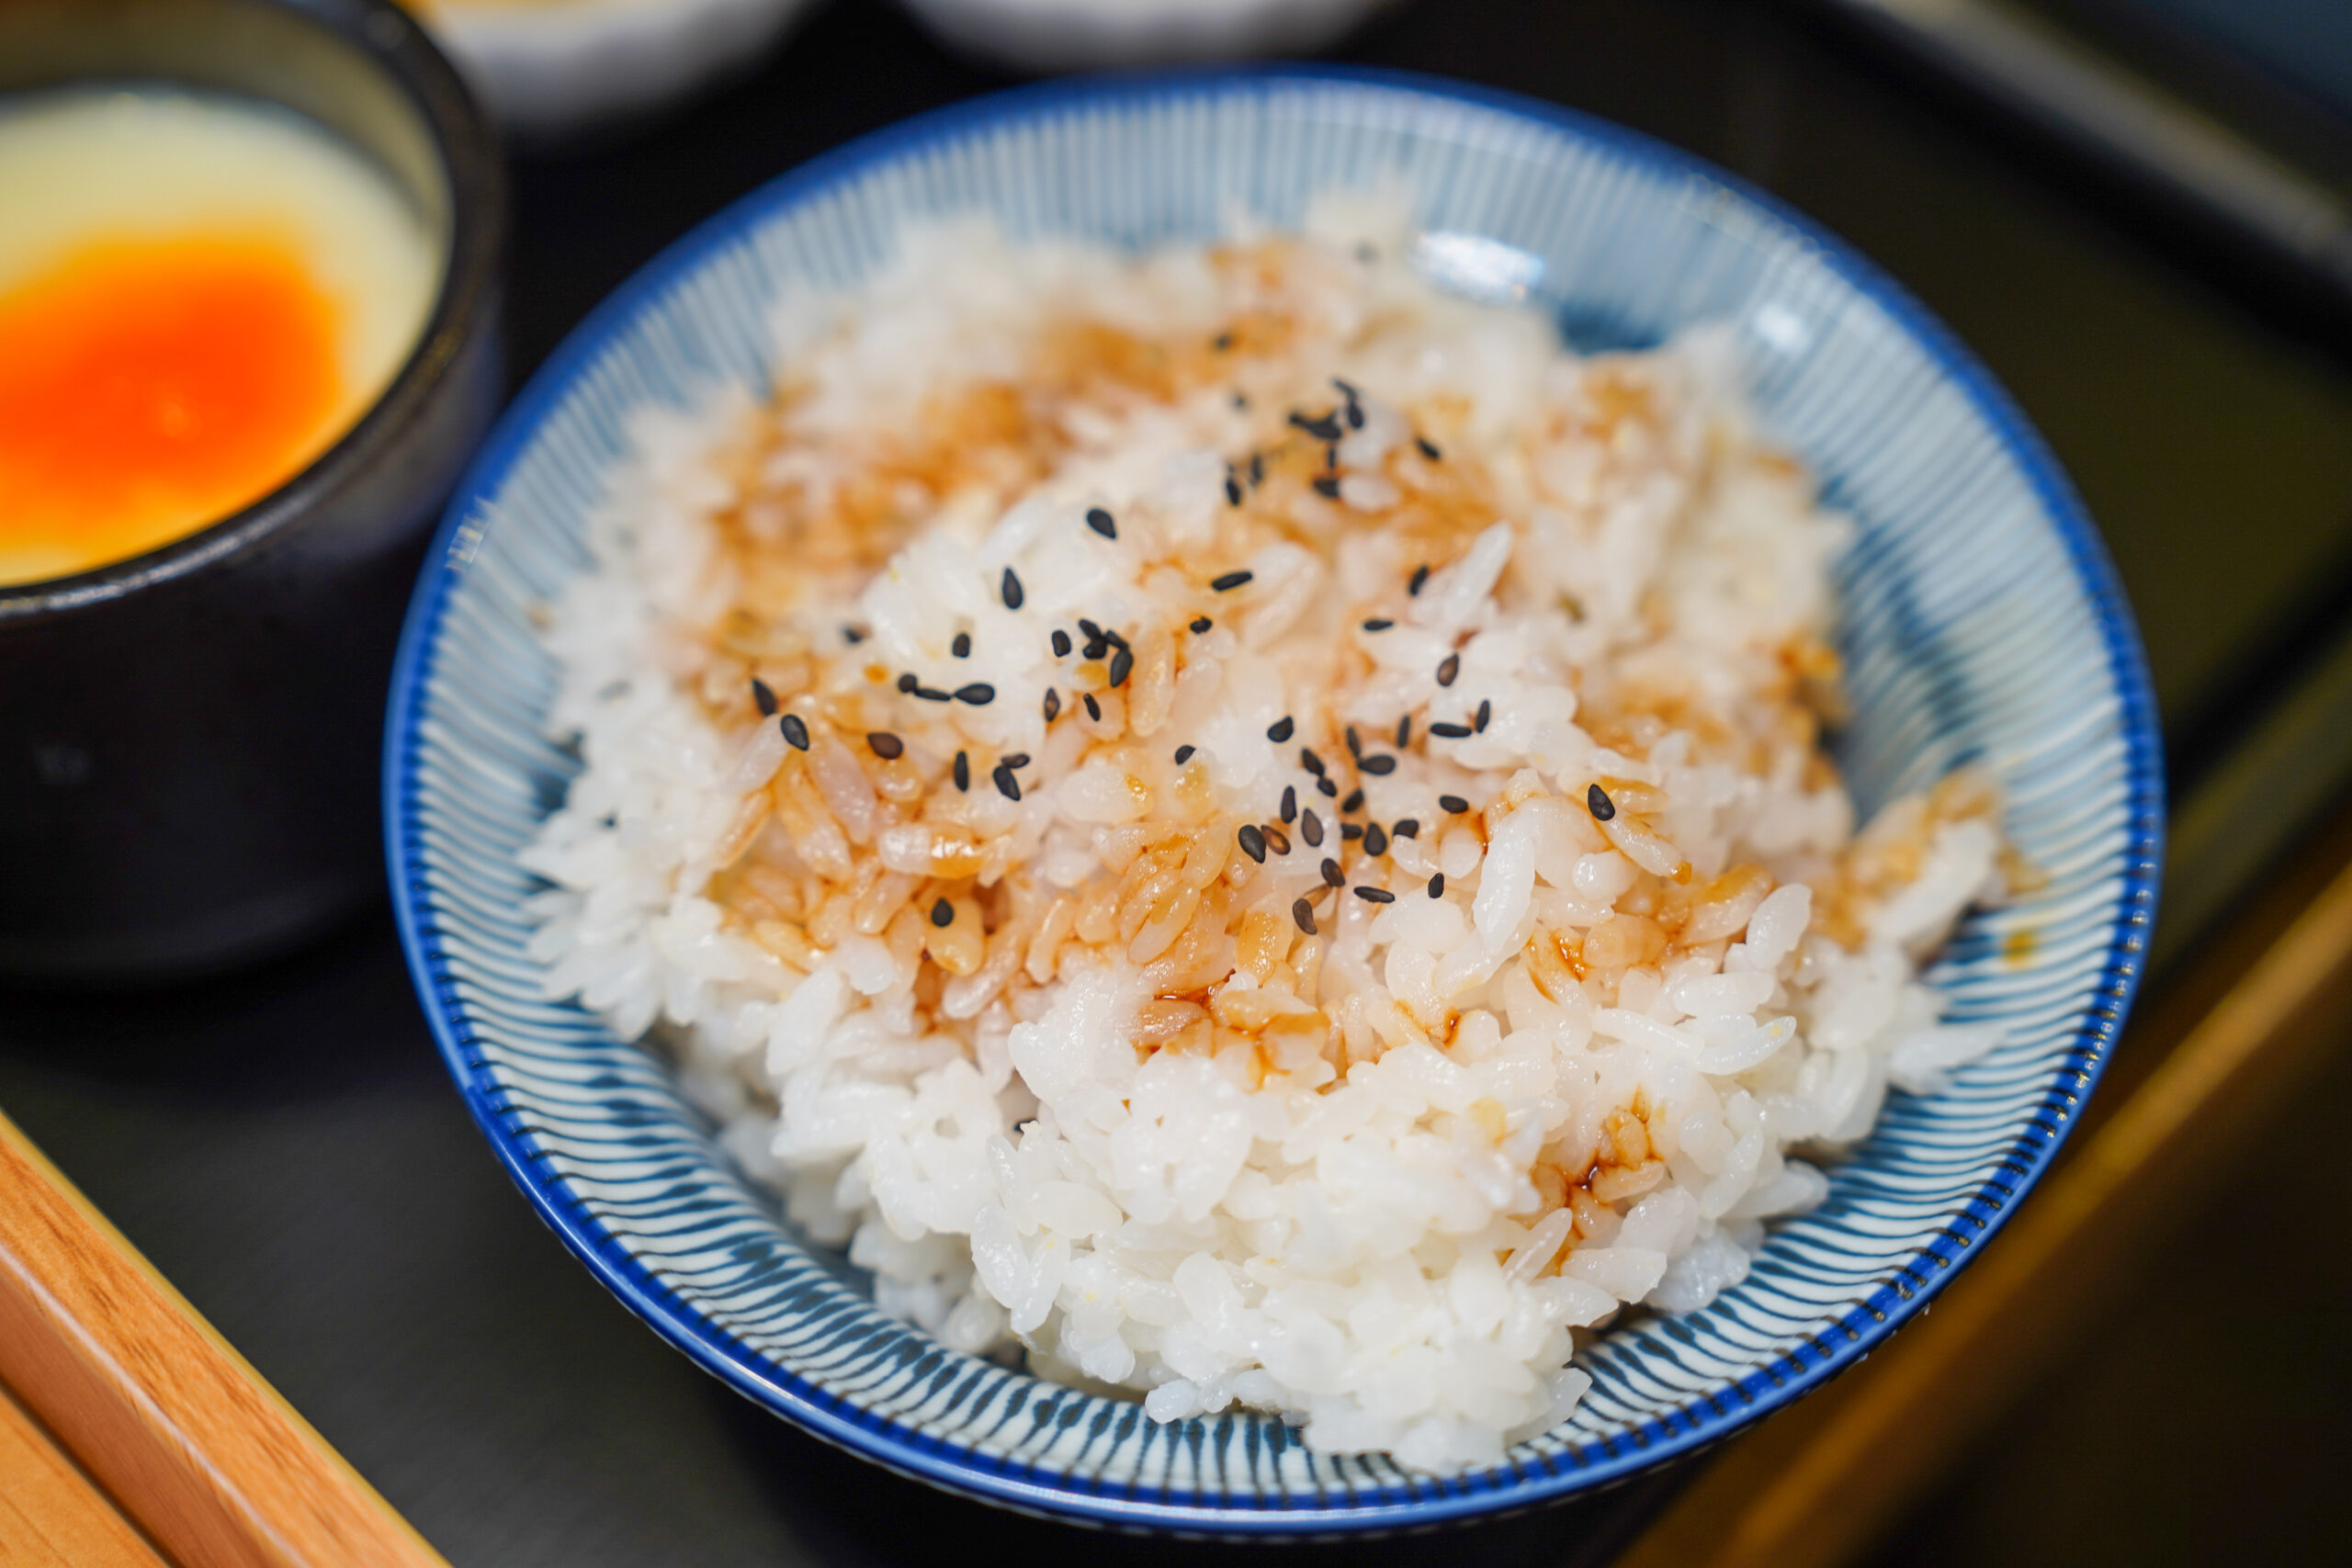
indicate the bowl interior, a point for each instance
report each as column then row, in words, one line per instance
column 1981, row 622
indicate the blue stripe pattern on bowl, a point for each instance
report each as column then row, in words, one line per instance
column 1981, row 622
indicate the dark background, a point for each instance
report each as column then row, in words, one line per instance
column 286, row 1149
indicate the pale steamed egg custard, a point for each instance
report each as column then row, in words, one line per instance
column 198, row 296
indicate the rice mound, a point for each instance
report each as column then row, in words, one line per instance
column 1331, row 989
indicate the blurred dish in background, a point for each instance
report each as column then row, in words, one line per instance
column 1082, row 35
column 249, row 256
column 197, row 294
column 552, row 68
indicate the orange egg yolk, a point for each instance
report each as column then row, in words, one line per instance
column 148, row 388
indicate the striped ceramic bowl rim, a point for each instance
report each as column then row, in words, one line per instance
column 1982, row 622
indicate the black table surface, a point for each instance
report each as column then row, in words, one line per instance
column 286, row 1147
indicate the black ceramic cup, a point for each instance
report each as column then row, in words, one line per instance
column 189, row 737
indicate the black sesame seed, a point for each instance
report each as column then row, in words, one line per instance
column 962, row 647
column 1240, row 402
column 1333, row 875
column 1331, row 457
column 1355, row 413
column 1301, row 914
column 943, row 913
column 1437, row 884
column 1222, row 342
column 1231, row 581
column 1280, row 730
column 1486, row 712
column 1006, row 784
column 963, row 770
column 1232, row 490
column 1406, row 828
column 1452, row 802
column 1310, row 762
column 1253, row 843
column 933, row 695
column 1351, row 831
column 1100, row 520
column 1375, row 895
column 1094, row 633
column 1346, row 390
column 1376, row 839
column 1310, row 827
column 1094, row 649
column 1113, row 638
column 1404, row 731
column 1429, row 448
column 1123, row 664
column 1380, row 766
column 1290, row 803
column 886, row 744
column 1450, row 731
column 1597, row 800
column 1327, row 786
column 1053, row 704
column 1378, row 623
column 980, row 693
column 1093, row 708
column 1183, row 755
column 1010, row 588
column 1200, row 623
column 1323, row 427
column 852, row 634
column 1419, row 579
column 763, row 697
column 908, row 683
column 1013, row 759
column 1257, row 469
column 1355, row 741
column 1353, row 802
column 1447, row 670
column 1326, row 486
column 795, row 732
column 1061, row 643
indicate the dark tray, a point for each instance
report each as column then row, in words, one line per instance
column 286, row 1149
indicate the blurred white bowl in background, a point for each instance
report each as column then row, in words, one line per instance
column 1078, row 35
column 551, row 68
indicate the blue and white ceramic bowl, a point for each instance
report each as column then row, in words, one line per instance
column 1982, row 621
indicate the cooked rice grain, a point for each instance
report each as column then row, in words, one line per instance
column 1090, row 1063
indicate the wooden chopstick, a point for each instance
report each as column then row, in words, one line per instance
column 52, row 1515
column 186, row 1438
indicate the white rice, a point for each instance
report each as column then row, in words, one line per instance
column 1121, row 1113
